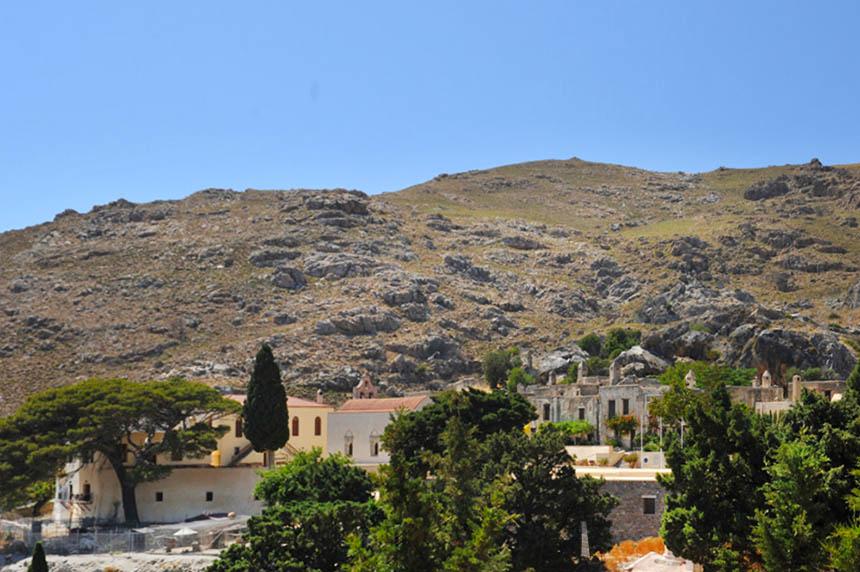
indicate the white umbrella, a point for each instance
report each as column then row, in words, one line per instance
column 185, row 532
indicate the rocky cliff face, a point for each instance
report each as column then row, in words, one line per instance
column 757, row 267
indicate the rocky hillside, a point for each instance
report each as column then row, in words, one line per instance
column 758, row 267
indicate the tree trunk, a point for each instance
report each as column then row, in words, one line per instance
column 270, row 459
column 129, row 500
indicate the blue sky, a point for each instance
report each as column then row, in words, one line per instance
column 147, row 100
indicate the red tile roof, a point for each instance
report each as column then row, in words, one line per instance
column 291, row 401
column 390, row 404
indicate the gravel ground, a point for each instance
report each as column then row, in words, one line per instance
column 128, row 562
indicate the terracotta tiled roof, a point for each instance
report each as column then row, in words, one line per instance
column 386, row 404
column 291, row 401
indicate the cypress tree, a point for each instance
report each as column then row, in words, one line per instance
column 265, row 415
column 38, row 563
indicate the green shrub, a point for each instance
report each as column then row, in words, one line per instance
column 571, row 375
column 619, row 340
column 498, row 363
column 592, row 344
column 708, row 374
column 597, row 366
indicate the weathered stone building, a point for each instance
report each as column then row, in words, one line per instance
column 641, row 500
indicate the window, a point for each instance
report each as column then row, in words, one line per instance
column 318, row 426
column 649, row 505
column 347, row 444
column 209, row 496
column 546, row 411
column 239, row 427
column 611, row 408
column 87, row 492
column 295, row 426
column 625, row 407
column 159, row 496
column 374, row 444
column 582, row 413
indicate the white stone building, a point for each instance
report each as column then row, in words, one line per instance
column 221, row 482
column 356, row 428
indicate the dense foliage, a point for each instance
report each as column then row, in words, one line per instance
column 497, row 365
column 615, row 341
column 265, row 415
column 38, row 563
column 312, row 506
column 570, row 431
column 708, row 374
column 498, row 499
column 130, row 424
column 779, row 493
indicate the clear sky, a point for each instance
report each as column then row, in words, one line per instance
column 157, row 99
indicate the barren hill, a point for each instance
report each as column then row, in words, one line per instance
column 751, row 266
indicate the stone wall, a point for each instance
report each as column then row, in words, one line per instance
column 629, row 522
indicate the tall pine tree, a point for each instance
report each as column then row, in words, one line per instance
column 265, row 416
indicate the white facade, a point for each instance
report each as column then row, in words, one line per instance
column 222, row 481
column 356, row 428
column 91, row 493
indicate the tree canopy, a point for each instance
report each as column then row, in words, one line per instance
column 265, row 416
column 128, row 423
column 313, row 505
column 497, row 364
column 752, row 491
column 497, row 500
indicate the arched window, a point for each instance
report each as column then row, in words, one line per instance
column 347, row 443
column 374, row 444
column 318, row 426
column 295, row 426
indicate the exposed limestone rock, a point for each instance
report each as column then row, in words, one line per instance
column 289, row 278
column 639, row 362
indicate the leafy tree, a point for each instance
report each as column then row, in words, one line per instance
column 708, row 374
column 417, row 433
column 716, row 484
column 497, row 364
column 619, row 340
column 38, row 563
column 844, row 544
column 853, row 381
column 623, row 425
column 519, row 376
column 572, row 374
column 592, row 344
column 312, row 506
column 128, row 423
column 453, row 521
column 548, row 502
column 265, row 416
column 492, row 486
column 676, row 404
column 795, row 518
column 568, row 430
column 597, row 366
